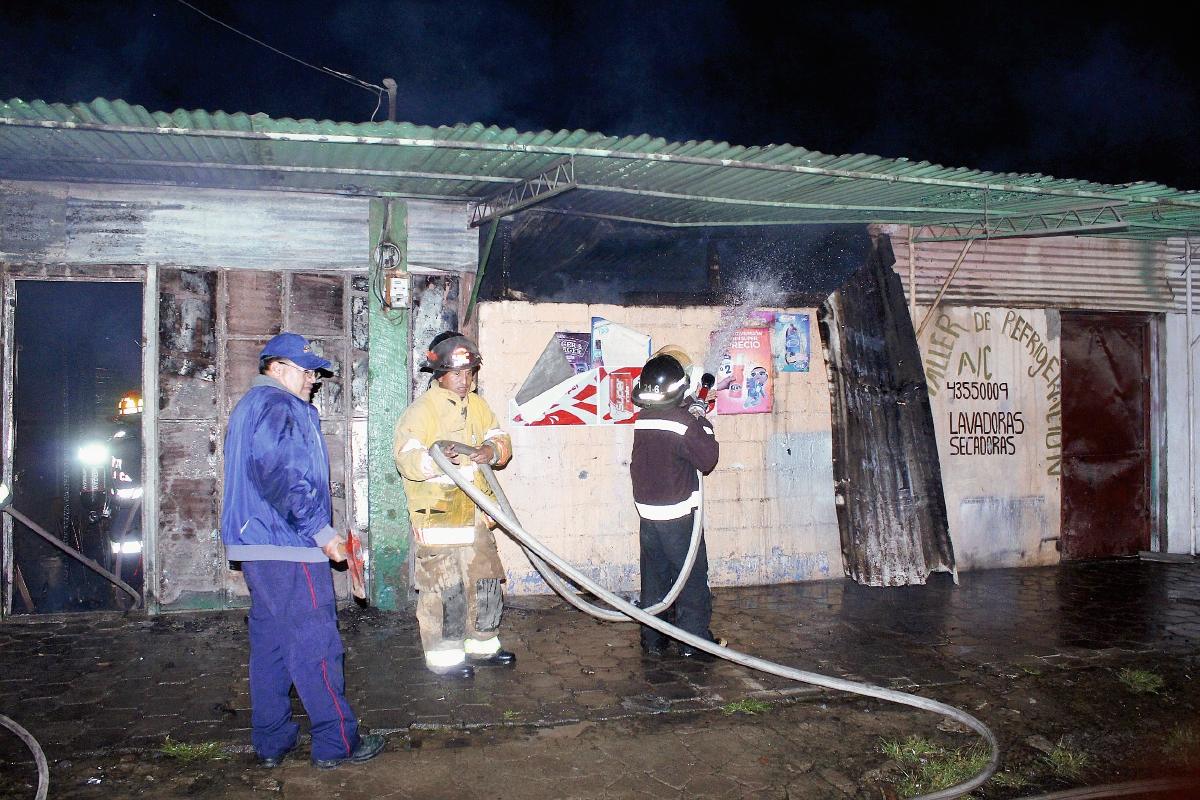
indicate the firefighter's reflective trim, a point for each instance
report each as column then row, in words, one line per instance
column 486, row 647
column 444, row 537
column 466, row 470
column 427, row 467
column 675, row 511
column 444, row 658
column 496, row 438
column 660, row 425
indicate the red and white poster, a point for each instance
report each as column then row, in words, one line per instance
column 601, row 395
column 746, row 364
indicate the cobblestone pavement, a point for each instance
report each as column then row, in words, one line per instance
column 582, row 695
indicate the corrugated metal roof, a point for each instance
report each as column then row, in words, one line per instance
column 634, row 177
column 1097, row 273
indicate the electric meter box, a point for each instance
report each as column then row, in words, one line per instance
column 396, row 289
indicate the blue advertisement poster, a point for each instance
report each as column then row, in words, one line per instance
column 791, row 343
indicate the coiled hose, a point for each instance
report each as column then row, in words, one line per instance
column 39, row 757
column 543, row 557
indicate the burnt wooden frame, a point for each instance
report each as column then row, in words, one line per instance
column 148, row 277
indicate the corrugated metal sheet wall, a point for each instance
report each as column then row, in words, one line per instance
column 1055, row 272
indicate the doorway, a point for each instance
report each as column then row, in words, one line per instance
column 77, row 442
column 1106, row 434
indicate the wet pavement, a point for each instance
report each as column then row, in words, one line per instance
column 104, row 685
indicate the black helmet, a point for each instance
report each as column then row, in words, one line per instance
column 450, row 351
column 662, row 383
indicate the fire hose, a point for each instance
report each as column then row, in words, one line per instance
column 43, row 768
column 547, row 562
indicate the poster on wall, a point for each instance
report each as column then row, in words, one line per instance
column 790, row 343
column 746, row 365
column 619, row 353
column 584, row 378
column 577, row 349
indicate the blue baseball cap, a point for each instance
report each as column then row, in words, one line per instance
column 294, row 348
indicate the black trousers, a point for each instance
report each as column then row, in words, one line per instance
column 664, row 548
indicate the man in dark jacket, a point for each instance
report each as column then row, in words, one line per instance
column 276, row 522
column 670, row 445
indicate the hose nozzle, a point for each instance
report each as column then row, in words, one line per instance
column 706, row 382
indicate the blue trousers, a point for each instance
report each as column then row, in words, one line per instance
column 294, row 640
column 664, row 546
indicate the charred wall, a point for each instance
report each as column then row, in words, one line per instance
column 189, row 560
column 890, row 504
column 555, row 258
column 212, row 326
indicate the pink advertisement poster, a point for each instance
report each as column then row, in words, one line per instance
column 747, row 363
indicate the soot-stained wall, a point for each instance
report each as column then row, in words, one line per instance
column 551, row 257
column 891, row 509
column 227, row 270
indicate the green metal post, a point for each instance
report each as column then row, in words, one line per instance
column 387, row 382
column 487, row 251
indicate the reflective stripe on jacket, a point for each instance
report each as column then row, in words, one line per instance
column 669, row 447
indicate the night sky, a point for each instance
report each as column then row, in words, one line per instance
column 1105, row 92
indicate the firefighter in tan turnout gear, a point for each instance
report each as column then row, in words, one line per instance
column 458, row 571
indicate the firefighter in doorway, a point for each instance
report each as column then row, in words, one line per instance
column 672, row 441
column 458, row 571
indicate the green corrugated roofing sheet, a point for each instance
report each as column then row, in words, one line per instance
column 632, row 177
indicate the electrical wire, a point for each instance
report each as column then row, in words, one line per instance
column 376, row 277
column 342, row 76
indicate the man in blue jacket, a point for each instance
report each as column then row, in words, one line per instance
column 276, row 522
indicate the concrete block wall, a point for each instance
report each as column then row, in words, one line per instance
column 769, row 504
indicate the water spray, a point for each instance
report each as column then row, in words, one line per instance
column 548, row 562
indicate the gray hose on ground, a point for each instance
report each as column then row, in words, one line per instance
column 75, row 554
column 566, row 590
column 530, row 544
column 39, row 757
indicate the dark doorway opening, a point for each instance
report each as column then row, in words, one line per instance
column 77, row 442
column 1106, row 419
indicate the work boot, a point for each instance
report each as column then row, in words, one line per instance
column 698, row 655
column 500, row 658
column 654, row 650
column 369, row 746
column 270, row 762
column 458, row 671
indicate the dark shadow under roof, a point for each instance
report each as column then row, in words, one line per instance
column 552, row 257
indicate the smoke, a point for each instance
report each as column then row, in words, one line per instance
column 767, row 290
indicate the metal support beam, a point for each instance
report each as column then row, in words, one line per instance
column 945, row 285
column 1191, row 396
column 483, row 259
column 912, row 276
column 283, row 168
column 555, row 179
column 1072, row 222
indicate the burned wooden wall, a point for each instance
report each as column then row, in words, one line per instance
column 213, row 324
column 190, row 564
column 890, row 505
column 232, row 269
